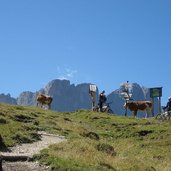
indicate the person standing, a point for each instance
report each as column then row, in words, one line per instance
column 168, row 105
column 102, row 99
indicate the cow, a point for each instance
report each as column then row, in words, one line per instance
column 43, row 100
column 135, row 106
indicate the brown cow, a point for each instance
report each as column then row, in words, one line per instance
column 43, row 100
column 135, row 106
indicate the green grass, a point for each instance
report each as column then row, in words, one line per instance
column 95, row 141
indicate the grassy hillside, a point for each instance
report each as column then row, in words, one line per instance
column 95, row 141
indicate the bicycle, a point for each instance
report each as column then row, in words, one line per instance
column 105, row 108
column 166, row 115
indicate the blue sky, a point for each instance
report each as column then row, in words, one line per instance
column 105, row 42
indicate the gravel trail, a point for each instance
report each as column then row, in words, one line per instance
column 28, row 150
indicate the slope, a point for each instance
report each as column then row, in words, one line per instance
column 95, row 141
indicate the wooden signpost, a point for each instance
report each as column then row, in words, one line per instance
column 156, row 92
column 126, row 93
column 92, row 91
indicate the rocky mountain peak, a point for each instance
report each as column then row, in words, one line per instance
column 70, row 97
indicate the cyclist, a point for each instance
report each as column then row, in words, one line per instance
column 168, row 105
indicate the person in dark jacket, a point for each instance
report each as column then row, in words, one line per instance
column 102, row 99
column 168, row 105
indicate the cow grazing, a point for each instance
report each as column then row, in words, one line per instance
column 43, row 100
column 135, row 106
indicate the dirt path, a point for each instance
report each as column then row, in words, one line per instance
column 28, row 150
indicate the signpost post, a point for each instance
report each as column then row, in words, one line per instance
column 92, row 91
column 156, row 92
column 125, row 91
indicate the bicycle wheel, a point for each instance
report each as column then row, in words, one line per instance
column 159, row 116
column 162, row 116
column 110, row 111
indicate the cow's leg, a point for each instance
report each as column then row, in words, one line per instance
column 49, row 106
column 147, row 113
column 38, row 104
column 135, row 113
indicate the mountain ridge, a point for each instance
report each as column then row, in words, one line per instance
column 69, row 97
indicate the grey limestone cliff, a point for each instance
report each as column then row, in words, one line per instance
column 27, row 98
column 69, row 97
column 66, row 97
column 7, row 99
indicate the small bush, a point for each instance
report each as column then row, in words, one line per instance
column 2, row 144
column 3, row 121
column 144, row 132
column 20, row 138
column 2, row 114
column 91, row 135
column 22, row 118
column 106, row 148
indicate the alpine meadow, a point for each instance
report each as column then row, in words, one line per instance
column 94, row 141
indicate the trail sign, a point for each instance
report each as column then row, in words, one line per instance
column 156, row 92
column 126, row 89
column 93, row 88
